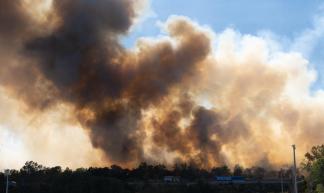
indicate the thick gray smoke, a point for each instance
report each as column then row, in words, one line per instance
column 83, row 63
column 147, row 103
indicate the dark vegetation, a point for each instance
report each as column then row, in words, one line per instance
column 35, row 178
column 313, row 165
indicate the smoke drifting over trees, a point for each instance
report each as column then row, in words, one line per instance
column 149, row 103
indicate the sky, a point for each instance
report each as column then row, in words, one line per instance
column 286, row 21
column 210, row 81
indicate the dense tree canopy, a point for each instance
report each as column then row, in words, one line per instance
column 314, row 165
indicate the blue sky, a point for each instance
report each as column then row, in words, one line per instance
column 287, row 19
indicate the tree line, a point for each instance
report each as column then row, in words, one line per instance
column 36, row 178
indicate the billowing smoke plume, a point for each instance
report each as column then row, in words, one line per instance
column 168, row 99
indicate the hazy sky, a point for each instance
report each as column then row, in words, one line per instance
column 222, row 81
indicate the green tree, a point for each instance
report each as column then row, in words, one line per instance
column 317, row 171
column 320, row 188
column 314, row 165
column 315, row 153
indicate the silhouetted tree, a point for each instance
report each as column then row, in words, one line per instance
column 35, row 178
column 238, row 170
column 31, row 167
column 221, row 171
column 258, row 172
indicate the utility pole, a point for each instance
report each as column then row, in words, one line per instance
column 7, row 175
column 281, row 176
column 295, row 170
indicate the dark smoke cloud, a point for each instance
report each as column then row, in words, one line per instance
column 81, row 62
column 16, row 72
column 13, row 19
column 145, row 104
column 206, row 133
column 168, row 133
column 115, row 130
column 77, row 58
